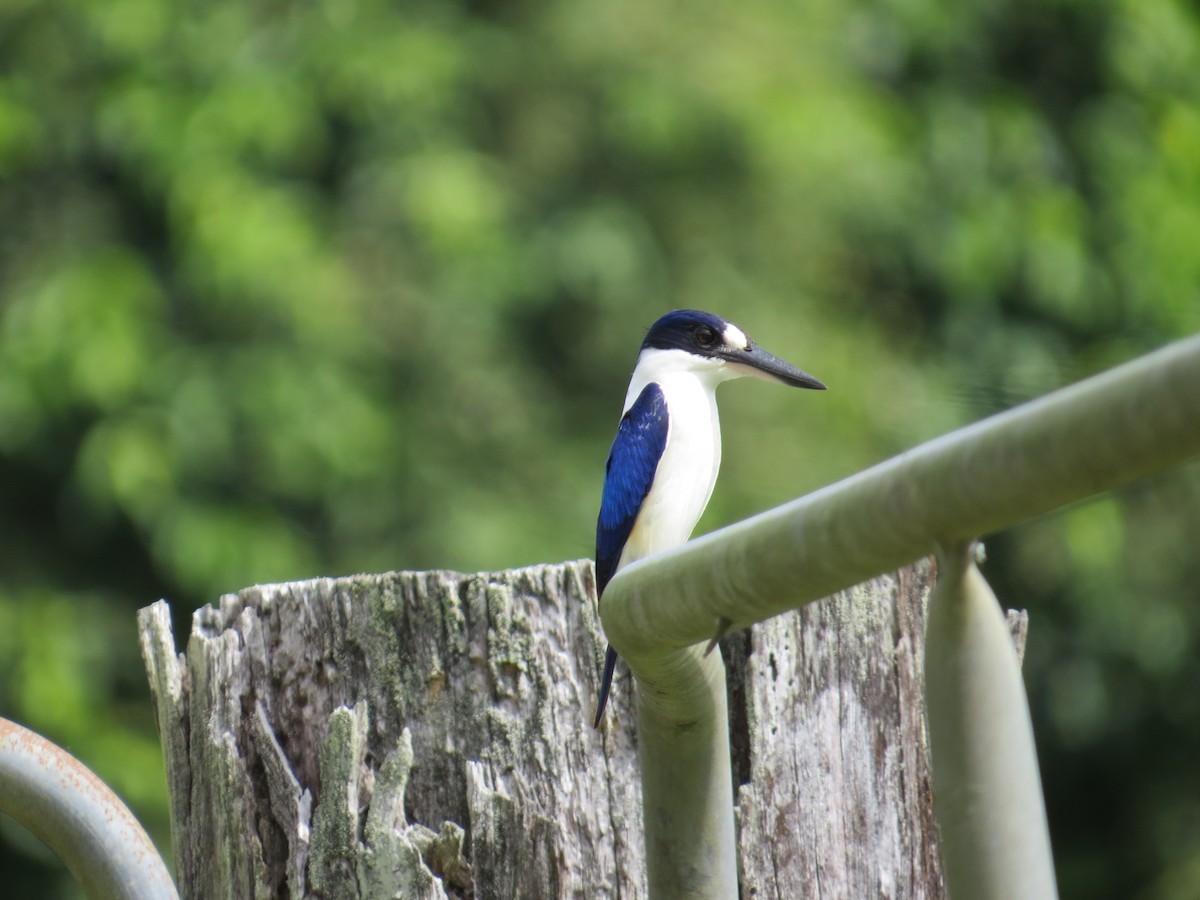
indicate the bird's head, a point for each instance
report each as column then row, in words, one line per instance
column 715, row 345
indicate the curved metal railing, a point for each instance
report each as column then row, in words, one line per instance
column 64, row 803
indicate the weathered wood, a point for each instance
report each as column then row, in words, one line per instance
column 338, row 738
column 837, row 803
column 427, row 735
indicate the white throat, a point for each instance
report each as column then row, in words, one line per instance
column 676, row 368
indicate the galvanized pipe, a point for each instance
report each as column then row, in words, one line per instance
column 1139, row 418
column 76, row 815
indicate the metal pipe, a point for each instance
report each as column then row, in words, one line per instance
column 987, row 793
column 1138, row 418
column 687, row 789
column 76, row 815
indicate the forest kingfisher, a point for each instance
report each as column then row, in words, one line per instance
column 664, row 460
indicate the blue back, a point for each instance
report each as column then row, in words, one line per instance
column 632, row 462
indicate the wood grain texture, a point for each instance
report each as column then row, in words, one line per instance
column 838, row 801
column 836, row 794
column 414, row 735
column 426, row 735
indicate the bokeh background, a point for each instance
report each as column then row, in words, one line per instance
column 298, row 289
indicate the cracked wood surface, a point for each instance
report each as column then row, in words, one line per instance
column 427, row 735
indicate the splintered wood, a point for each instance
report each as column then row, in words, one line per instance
column 427, row 735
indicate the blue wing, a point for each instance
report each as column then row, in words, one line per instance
column 632, row 462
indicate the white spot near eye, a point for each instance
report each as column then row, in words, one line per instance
column 735, row 337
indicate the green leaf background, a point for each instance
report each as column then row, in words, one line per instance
column 295, row 289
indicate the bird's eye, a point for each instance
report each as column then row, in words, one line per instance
column 706, row 336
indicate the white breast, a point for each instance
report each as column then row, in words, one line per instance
column 688, row 468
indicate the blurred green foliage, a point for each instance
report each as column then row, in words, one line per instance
column 314, row 288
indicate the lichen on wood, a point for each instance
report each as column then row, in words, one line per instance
column 344, row 737
column 427, row 735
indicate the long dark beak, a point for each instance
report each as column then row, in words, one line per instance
column 758, row 362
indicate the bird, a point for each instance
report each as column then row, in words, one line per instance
column 664, row 459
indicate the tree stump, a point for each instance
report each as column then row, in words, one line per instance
column 427, row 735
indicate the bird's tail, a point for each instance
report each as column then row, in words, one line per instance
column 610, row 663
